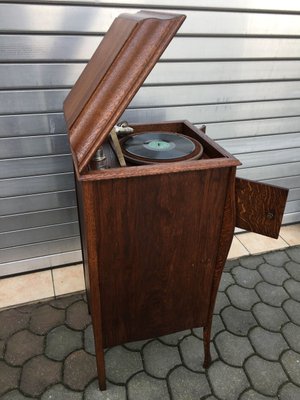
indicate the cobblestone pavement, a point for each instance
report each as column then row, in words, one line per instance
column 47, row 349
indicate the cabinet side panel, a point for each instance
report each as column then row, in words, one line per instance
column 83, row 239
column 225, row 239
column 157, row 249
column 89, row 240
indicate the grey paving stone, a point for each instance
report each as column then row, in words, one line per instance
column 15, row 395
column 2, row 345
column 251, row 262
column 112, row 392
column 267, row 344
column 291, row 332
column 294, row 253
column 79, row 369
column 193, row 353
column 237, row 321
column 9, row 377
column 159, row 359
column 23, row 345
column 273, row 275
column 230, row 264
column 77, row 315
column 28, row 308
column 292, row 308
column 227, row 382
column 62, row 341
column 12, row 321
column 253, row 395
column 291, row 362
column 226, row 280
column 265, row 376
column 65, row 301
column 293, row 288
column 187, row 385
column 216, row 327
column 245, row 277
column 233, row 349
column 144, row 387
column 45, row 318
column 241, row 297
column 136, row 346
column 89, row 341
column 293, row 269
column 289, row 392
column 276, row 258
column 270, row 318
column 39, row 373
column 271, row 294
column 174, row 338
column 60, row 392
column 85, row 299
column 121, row 364
column 221, row 302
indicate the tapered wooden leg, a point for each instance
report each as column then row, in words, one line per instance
column 99, row 356
column 206, row 342
column 99, row 353
column 225, row 240
column 92, row 275
column 101, row 370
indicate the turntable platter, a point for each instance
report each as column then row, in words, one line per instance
column 160, row 147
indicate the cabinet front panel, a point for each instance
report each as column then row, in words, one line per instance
column 157, row 244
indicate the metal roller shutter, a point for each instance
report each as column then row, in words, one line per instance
column 234, row 65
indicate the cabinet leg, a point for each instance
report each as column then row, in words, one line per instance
column 225, row 240
column 206, row 340
column 101, row 369
column 102, row 382
column 99, row 355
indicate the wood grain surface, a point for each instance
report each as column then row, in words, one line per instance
column 260, row 207
column 152, row 237
column 225, row 239
column 116, row 71
column 157, row 246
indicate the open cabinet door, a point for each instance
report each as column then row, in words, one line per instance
column 259, row 207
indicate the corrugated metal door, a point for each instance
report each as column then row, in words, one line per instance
column 235, row 66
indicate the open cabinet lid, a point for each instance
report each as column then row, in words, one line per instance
column 118, row 68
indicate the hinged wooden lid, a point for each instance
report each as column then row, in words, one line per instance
column 119, row 66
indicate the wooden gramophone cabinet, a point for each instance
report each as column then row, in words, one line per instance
column 155, row 237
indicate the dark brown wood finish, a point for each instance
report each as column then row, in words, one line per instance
column 225, row 239
column 162, row 240
column 118, row 68
column 92, row 271
column 155, row 249
column 155, row 237
column 260, row 207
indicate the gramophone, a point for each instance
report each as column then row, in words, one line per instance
column 158, row 202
